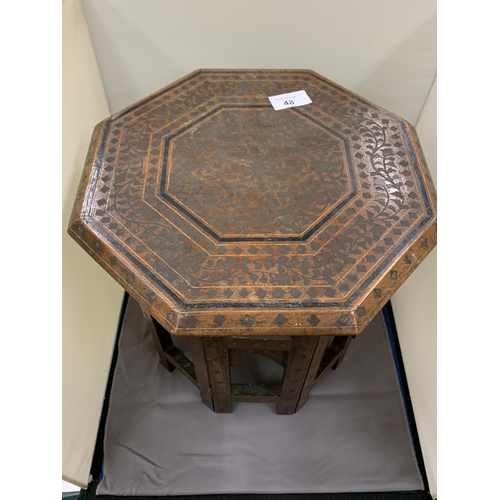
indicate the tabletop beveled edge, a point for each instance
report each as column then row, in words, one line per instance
column 183, row 321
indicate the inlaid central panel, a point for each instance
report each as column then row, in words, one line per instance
column 254, row 172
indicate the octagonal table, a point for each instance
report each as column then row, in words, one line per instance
column 255, row 231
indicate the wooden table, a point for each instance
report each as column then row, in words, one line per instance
column 255, row 231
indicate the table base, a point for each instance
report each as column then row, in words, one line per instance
column 305, row 360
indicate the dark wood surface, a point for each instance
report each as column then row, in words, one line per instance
column 217, row 359
column 197, row 352
column 303, row 349
column 312, row 372
column 223, row 217
column 305, row 360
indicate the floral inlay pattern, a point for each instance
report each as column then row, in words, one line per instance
column 224, row 214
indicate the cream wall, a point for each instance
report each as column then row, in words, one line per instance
column 91, row 299
column 383, row 50
column 415, row 313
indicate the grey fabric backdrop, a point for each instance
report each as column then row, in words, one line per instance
column 352, row 434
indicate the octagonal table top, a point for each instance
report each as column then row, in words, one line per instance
column 222, row 216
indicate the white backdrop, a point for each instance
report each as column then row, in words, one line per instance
column 91, row 299
column 384, row 50
column 415, row 313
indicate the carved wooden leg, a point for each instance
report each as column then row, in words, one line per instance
column 343, row 352
column 217, row 359
column 295, row 373
column 313, row 371
column 197, row 352
column 161, row 339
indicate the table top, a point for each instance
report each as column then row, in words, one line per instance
column 222, row 216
